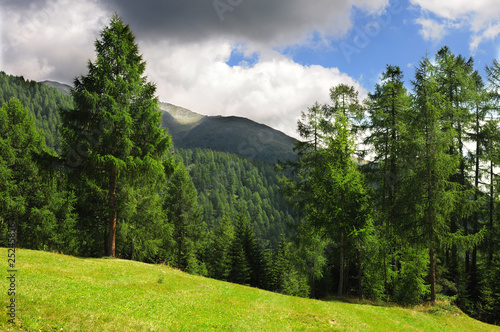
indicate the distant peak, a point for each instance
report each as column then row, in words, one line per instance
column 63, row 88
column 181, row 114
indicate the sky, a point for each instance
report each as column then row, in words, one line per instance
column 267, row 60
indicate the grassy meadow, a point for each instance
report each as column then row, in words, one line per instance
column 55, row 292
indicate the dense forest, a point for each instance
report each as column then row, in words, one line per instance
column 227, row 183
column 94, row 175
column 41, row 101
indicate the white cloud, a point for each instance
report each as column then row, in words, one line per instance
column 490, row 33
column 53, row 39
column 431, row 30
column 274, row 91
column 481, row 17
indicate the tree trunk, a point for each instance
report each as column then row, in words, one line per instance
column 360, row 275
column 340, row 291
column 476, row 192
column 112, row 213
column 432, row 273
column 492, row 202
column 179, row 253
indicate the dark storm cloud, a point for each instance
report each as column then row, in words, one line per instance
column 271, row 22
column 262, row 21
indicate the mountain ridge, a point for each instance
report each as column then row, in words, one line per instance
column 234, row 134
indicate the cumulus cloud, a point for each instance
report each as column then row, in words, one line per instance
column 274, row 91
column 52, row 39
column 431, row 30
column 481, row 17
column 186, row 45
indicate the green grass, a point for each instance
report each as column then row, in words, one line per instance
column 64, row 293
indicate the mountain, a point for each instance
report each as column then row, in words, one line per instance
column 63, row 88
column 232, row 134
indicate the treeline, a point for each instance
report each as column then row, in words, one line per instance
column 420, row 220
column 41, row 101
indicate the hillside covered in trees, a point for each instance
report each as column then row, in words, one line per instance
column 43, row 103
column 418, row 222
column 228, row 184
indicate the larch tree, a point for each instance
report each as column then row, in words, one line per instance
column 430, row 193
column 455, row 82
column 492, row 152
column 345, row 203
column 113, row 134
column 325, row 182
column 386, row 110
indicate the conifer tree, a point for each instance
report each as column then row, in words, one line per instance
column 429, row 194
column 455, row 82
column 387, row 108
column 220, row 260
column 113, row 133
column 241, row 270
column 493, row 154
column 30, row 197
column 184, row 214
column 326, row 182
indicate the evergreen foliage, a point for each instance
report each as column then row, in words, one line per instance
column 41, row 101
column 184, row 216
column 33, row 200
column 112, row 138
column 228, row 184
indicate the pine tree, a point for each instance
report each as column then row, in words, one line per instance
column 430, row 196
column 326, row 183
column 220, row 260
column 184, row 214
column 113, row 134
column 31, row 197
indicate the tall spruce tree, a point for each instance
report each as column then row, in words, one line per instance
column 430, row 196
column 184, row 214
column 113, row 133
column 326, row 183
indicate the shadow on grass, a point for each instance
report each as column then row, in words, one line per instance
column 357, row 300
column 444, row 305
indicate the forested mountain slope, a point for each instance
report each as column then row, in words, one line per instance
column 227, row 183
column 41, row 100
column 232, row 134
